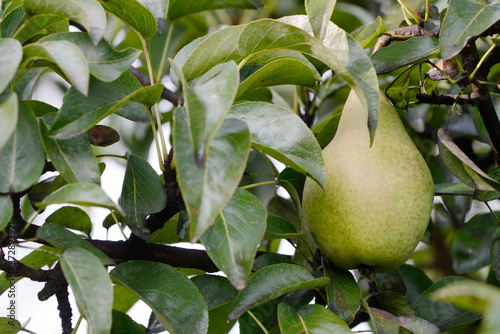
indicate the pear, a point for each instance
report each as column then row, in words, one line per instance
column 377, row 199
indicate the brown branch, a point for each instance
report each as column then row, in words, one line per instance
column 171, row 255
column 65, row 311
column 483, row 102
column 57, row 285
column 489, row 116
column 445, row 99
column 144, row 80
column 14, row 268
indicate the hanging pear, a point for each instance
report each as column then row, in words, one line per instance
column 377, row 199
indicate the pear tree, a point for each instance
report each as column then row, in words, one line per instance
column 249, row 166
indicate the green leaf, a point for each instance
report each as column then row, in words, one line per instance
column 42, row 189
column 207, row 104
column 71, row 217
column 462, row 166
column 123, row 298
column 416, row 281
column 383, row 322
column 486, row 196
column 174, row 299
column 267, row 56
column 88, row 13
column 340, row 52
column 58, row 236
column 396, row 55
column 91, row 286
column 232, row 242
column 368, row 34
column 13, row 16
column 142, row 194
column 134, row 14
column 453, row 189
column 105, row 63
column 183, row 54
column 398, row 91
column 218, row 323
column 35, row 260
column 9, row 108
column 159, row 10
column 6, row 210
column 222, row 46
column 11, row 54
column 208, row 187
column 196, row 119
column 495, row 258
column 313, row 319
column 168, row 233
column 215, row 289
column 268, row 259
column 86, row 194
column 180, row 8
column 417, row 325
column 440, row 313
column 124, row 324
column 271, row 282
column 66, row 56
column 394, row 303
column 465, row 19
column 35, row 25
column 269, row 125
column 280, row 72
column 305, row 244
column 280, row 228
column 390, row 281
column 294, row 178
column 73, row 157
column 39, row 108
column 23, row 157
column 25, row 86
column 471, row 246
column 468, row 295
column 267, row 314
column 474, row 296
column 343, row 293
column 9, row 326
column 491, row 322
column 328, row 131
column 319, row 13
column 80, row 113
column 216, row 90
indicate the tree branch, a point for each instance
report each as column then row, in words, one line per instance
column 483, row 102
column 171, row 255
column 65, row 312
column 15, row 268
column 445, row 99
column 144, row 80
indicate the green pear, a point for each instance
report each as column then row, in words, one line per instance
column 377, row 199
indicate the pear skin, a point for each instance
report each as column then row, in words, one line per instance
column 377, row 200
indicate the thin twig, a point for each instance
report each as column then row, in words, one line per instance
column 144, row 80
